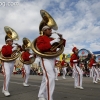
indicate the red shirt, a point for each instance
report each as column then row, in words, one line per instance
column 73, row 57
column 43, row 43
column 91, row 62
column 7, row 50
column 25, row 56
column 63, row 63
column 56, row 61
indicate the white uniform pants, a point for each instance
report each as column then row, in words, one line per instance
column 48, row 81
column 7, row 71
column 99, row 73
column 78, row 78
column 91, row 72
column 73, row 72
column 95, row 74
column 64, row 71
column 56, row 73
column 27, row 72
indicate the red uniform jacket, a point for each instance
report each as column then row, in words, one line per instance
column 63, row 63
column 43, row 43
column 7, row 50
column 56, row 61
column 25, row 56
column 91, row 62
column 73, row 57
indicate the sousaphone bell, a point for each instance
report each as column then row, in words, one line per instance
column 26, row 45
column 49, row 21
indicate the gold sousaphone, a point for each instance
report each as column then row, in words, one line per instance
column 14, row 36
column 26, row 45
column 48, row 20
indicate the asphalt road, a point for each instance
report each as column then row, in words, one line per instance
column 64, row 89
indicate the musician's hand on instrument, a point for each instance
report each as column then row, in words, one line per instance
column 16, row 43
column 60, row 35
column 14, row 48
column 54, row 41
column 30, row 56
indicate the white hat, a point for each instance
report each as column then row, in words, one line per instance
column 45, row 27
column 8, row 39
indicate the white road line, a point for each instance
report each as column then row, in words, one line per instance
column 21, row 83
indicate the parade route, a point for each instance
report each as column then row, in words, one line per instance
column 64, row 89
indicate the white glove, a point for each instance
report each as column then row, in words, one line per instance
column 74, row 60
column 30, row 56
column 55, row 40
column 14, row 48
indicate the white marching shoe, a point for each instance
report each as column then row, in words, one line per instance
column 95, row 82
column 41, row 99
column 81, row 87
column 56, row 79
column 25, row 84
column 76, row 87
column 99, row 79
column 63, row 77
column 6, row 93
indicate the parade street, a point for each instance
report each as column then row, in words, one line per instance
column 64, row 89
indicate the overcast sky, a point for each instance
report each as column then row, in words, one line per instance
column 78, row 20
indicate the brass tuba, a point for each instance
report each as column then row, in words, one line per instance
column 26, row 45
column 14, row 36
column 48, row 20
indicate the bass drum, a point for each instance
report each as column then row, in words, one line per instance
column 98, row 59
column 84, row 54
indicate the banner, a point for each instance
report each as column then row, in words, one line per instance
column 67, row 57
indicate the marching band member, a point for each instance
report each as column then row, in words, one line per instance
column 26, row 55
column 74, row 60
column 7, row 51
column 94, row 71
column 56, row 69
column 44, row 44
column 81, row 66
column 64, row 68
